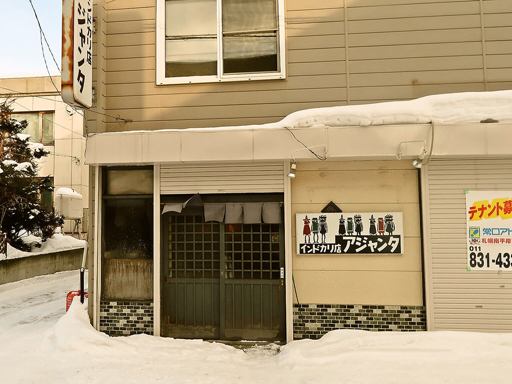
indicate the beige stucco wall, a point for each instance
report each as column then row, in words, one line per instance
column 66, row 161
column 359, row 279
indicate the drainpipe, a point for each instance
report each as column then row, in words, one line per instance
column 82, row 274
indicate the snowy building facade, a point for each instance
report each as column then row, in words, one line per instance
column 59, row 128
column 212, row 212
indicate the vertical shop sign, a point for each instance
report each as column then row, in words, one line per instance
column 489, row 230
column 77, row 31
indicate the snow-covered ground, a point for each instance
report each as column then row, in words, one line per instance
column 40, row 345
column 58, row 242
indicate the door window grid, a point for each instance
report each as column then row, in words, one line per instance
column 252, row 251
column 194, row 247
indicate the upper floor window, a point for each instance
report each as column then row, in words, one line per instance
column 40, row 126
column 219, row 40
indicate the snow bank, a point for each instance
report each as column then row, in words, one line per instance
column 343, row 356
column 64, row 191
column 38, row 347
column 56, row 243
column 28, row 309
column 73, row 331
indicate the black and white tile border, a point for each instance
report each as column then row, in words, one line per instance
column 311, row 321
column 123, row 318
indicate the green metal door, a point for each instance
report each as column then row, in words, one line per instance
column 222, row 281
column 191, row 281
column 253, row 302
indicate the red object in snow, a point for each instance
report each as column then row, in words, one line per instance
column 71, row 295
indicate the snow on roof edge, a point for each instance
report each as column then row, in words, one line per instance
column 450, row 108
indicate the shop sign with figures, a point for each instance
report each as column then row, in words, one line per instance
column 489, row 230
column 340, row 233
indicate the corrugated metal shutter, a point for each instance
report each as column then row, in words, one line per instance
column 462, row 300
column 213, row 177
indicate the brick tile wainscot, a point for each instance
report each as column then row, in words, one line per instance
column 123, row 318
column 311, row 321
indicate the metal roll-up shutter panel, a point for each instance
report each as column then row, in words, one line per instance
column 462, row 300
column 213, row 177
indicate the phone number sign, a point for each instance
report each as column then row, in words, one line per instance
column 489, row 230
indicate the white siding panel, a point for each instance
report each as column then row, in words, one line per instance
column 254, row 177
column 462, row 300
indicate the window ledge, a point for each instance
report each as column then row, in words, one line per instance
column 215, row 79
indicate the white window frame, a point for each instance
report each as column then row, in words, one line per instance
column 40, row 124
column 220, row 77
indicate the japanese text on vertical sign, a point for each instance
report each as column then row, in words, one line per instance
column 84, row 23
column 77, row 37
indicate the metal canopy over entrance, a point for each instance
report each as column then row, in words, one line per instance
column 222, row 281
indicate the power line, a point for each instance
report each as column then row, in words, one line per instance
column 44, row 118
column 61, row 101
column 76, row 158
column 118, row 118
column 46, row 64
column 319, row 157
column 41, row 31
column 43, row 36
column 22, row 94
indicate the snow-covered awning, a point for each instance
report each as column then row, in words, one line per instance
column 373, row 131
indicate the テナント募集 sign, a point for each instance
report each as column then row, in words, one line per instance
column 489, row 230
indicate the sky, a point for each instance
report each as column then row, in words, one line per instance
column 20, row 53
